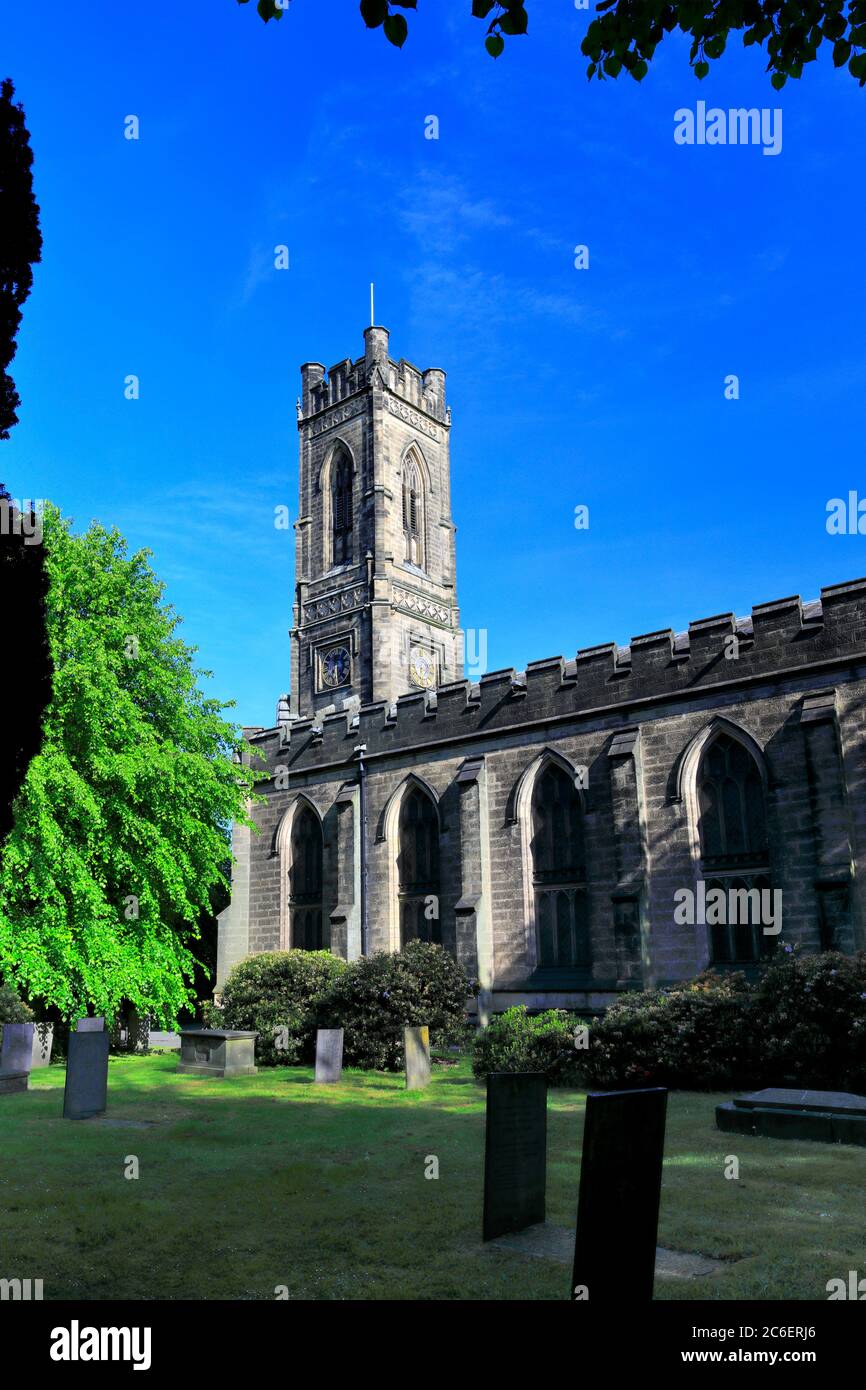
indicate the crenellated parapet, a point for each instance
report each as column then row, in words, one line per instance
column 779, row 639
column 414, row 388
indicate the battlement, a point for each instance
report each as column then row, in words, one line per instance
column 322, row 388
column 782, row 639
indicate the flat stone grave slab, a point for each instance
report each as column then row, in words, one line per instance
column 90, row 1025
column 515, row 1152
column 329, row 1056
column 217, row 1052
column 86, row 1090
column 775, row 1096
column 416, row 1042
column 620, row 1190
column 13, row 1082
column 556, row 1243
column 821, row 1117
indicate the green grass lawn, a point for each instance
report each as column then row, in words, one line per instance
column 261, row 1181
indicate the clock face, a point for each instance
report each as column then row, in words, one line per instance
column 422, row 668
column 336, row 667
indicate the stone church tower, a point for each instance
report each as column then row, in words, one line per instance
column 375, row 613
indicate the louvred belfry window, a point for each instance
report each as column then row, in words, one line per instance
column 413, row 515
column 341, row 512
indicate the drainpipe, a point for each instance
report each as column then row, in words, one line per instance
column 362, row 783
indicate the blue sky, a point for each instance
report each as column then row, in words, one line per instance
column 603, row 386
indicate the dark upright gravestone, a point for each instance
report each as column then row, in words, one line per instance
column 16, row 1058
column 620, row 1188
column 329, row 1055
column 90, row 1025
column 86, row 1091
column 416, row 1042
column 515, row 1152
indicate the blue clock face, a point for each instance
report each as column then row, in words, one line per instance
column 336, row 667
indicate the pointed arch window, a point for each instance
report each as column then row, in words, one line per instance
column 558, row 872
column 732, row 829
column 341, row 510
column 413, row 514
column 305, row 882
column 418, row 865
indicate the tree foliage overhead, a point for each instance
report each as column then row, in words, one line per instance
column 20, row 240
column 121, row 829
column 626, row 33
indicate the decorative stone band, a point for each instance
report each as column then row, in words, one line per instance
column 411, row 602
column 339, row 601
column 411, row 417
column 338, row 416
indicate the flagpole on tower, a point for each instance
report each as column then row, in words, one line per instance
column 372, row 314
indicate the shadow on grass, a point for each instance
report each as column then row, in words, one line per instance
column 251, row 1183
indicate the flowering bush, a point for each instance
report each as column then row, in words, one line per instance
column 697, row 1035
column 276, row 994
column 378, row 995
column 12, row 1008
column 811, row 1021
column 519, row 1041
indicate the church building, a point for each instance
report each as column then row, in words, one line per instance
column 546, row 826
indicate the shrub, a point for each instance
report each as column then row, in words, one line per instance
column 277, row 994
column 519, row 1041
column 378, row 995
column 811, row 1021
column 698, row 1035
column 12, row 1008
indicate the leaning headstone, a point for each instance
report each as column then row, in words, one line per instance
column 620, row 1188
column 16, row 1059
column 86, row 1091
column 90, row 1025
column 329, row 1055
column 416, row 1042
column 515, row 1152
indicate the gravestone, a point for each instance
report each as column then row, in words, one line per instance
column 43, row 1041
column 90, row 1025
column 416, row 1042
column 620, row 1188
column 515, row 1152
column 16, row 1058
column 217, row 1052
column 86, row 1091
column 329, row 1055
column 823, row 1117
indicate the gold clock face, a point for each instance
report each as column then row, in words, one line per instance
column 422, row 668
column 336, row 667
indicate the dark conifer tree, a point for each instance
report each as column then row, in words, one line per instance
column 25, row 685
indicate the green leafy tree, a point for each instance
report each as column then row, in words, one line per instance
column 627, row 32
column 121, row 829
